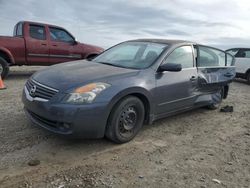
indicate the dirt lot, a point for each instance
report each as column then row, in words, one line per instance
column 200, row 148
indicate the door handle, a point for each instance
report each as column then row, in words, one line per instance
column 54, row 45
column 44, row 44
column 193, row 78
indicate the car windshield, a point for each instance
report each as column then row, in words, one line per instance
column 134, row 55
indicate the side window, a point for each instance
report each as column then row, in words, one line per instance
column 18, row 31
column 182, row 55
column 37, row 32
column 57, row 34
column 241, row 53
column 230, row 60
column 209, row 57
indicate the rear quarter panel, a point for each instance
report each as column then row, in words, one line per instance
column 16, row 47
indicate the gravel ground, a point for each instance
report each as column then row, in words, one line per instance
column 201, row 148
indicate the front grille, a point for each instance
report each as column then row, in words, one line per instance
column 41, row 90
column 64, row 128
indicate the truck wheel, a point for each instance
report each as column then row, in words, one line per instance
column 216, row 100
column 4, row 68
column 126, row 119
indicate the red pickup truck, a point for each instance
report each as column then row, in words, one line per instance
column 41, row 44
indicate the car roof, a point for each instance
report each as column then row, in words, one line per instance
column 40, row 23
column 172, row 42
column 163, row 41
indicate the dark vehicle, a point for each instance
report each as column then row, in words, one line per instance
column 41, row 44
column 130, row 84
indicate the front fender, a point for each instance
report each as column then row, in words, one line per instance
column 136, row 91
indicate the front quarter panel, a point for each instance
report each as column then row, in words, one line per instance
column 142, row 84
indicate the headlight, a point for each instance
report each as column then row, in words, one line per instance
column 86, row 94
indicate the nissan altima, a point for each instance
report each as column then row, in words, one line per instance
column 133, row 83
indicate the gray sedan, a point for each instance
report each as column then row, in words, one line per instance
column 131, row 84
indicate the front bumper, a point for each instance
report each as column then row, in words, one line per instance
column 77, row 121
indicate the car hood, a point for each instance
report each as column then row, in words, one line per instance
column 70, row 75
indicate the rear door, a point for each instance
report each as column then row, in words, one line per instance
column 215, row 68
column 176, row 90
column 37, row 47
column 63, row 47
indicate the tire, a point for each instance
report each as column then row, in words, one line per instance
column 125, row 120
column 216, row 100
column 4, row 68
column 248, row 77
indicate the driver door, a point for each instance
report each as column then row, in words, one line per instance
column 176, row 90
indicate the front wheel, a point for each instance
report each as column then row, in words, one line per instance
column 216, row 100
column 126, row 119
column 4, row 68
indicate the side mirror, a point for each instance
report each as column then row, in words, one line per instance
column 172, row 67
column 74, row 42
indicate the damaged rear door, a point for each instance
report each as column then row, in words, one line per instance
column 215, row 68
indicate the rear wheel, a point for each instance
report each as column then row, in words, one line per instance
column 4, row 68
column 216, row 100
column 248, row 77
column 126, row 119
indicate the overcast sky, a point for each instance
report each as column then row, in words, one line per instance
column 220, row 23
